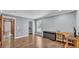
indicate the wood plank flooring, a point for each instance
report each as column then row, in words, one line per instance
column 31, row 42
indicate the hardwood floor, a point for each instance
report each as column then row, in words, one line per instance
column 31, row 42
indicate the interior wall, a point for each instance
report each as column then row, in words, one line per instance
column 77, row 21
column 22, row 26
column 39, row 27
column 64, row 23
column 33, row 24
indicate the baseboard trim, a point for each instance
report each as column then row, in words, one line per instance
column 21, row 36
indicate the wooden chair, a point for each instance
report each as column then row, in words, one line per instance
column 75, row 42
column 65, row 39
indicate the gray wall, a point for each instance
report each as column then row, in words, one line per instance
column 39, row 27
column 64, row 23
column 77, row 21
column 21, row 27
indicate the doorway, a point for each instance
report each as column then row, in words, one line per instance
column 7, row 33
column 30, row 27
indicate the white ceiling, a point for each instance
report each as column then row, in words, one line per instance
column 58, row 12
column 34, row 14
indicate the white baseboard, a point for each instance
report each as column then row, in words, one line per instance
column 21, row 36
